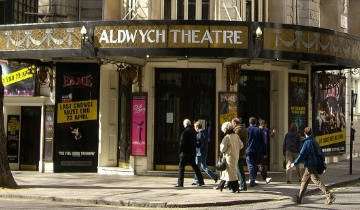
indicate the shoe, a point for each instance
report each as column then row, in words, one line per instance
column 178, row 185
column 330, row 200
column 252, row 184
column 216, row 179
column 242, row 189
column 288, row 182
column 200, row 184
column 296, row 199
column 194, row 183
column 267, row 180
column 256, row 182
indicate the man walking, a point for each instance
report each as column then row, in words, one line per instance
column 266, row 136
column 187, row 153
column 201, row 152
column 255, row 148
column 240, row 130
column 309, row 155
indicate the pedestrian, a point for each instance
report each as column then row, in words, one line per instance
column 291, row 149
column 309, row 155
column 255, row 149
column 240, row 130
column 202, row 151
column 230, row 146
column 187, row 153
column 266, row 135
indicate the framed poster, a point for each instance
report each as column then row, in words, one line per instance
column 49, row 133
column 228, row 108
column 329, row 121
column 298, row 101
column 138, row 124
column 13, row 138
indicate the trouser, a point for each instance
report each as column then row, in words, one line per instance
column 185, row 159
column 262, row 168
column 290, row 157
column 201, row 163
column 252, row 163
column 241, row 173
column 311, row 173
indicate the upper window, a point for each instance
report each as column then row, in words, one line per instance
column 205, row 9
column 191, row 9
column 180, row 9
column 167, row 9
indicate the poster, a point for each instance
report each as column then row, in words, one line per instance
column 138, row 124
column 298, row 101
column 329, row 118
column 17, row 80
column 228, row 105
column 76, row 127
column 13, row 138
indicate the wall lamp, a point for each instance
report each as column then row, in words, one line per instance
column 258, row 33
column 84, row 36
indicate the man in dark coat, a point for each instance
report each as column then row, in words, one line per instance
column 187, row 149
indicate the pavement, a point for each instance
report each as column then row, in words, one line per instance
column 157, row 191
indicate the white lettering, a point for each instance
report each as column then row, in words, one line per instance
column 162, row 34
column 237, row 37
column 121, row 36
column 148, row 36
column 175, row 34
column 194, row 36
column 104, row 37
column 216, row 35
column 112, row 37
column 227, row 35
column 131, row 36
column 207, row 37
column 142, row 34
column 183, row 34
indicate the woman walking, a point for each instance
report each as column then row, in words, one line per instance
column 291, row 149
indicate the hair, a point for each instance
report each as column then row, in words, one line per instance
column 308, row 131
column 226, row 127
column 198, row 125
column 186, row 123
column 293, row 127
column 262, row 122
column 252, row 121
column 236, row 121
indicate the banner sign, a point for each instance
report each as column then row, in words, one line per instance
column 329, row 118
column 76, row 127
column 171, row 36
column 13, row 138
column 18, row 80
column 77, row 111
column 138, row 124
column 298, row 101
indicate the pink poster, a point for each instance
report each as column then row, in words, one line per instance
column 138, row 125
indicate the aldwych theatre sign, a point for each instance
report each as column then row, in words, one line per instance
column 171, row 36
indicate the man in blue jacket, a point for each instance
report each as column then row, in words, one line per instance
column 255, row 149
column 309, row 155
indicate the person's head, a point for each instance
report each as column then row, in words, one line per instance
column 293, row 127
column 226, row 127
column 235, row 122
column 197, row 126
column 262, row 123
column 186, row 123
column 307, row 131
column 252, row 121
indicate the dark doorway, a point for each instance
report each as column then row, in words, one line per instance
column 180, row 94
column 254, row 98
column 124, row 125
column 30, row 138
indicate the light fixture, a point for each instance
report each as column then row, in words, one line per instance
column 84, row 36
column 147, row 56
column 258, row 32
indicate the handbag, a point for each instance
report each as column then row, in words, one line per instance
column 221, row 163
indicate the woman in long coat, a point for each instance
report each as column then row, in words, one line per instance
column 230, row 146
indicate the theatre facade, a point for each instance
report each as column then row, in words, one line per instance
column 110, row 96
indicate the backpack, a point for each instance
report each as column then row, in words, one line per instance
column 321, row 166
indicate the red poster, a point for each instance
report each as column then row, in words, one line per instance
column 138, row 125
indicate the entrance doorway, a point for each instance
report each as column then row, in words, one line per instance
column 30, row 138
column 180, row 94
column 254, row 99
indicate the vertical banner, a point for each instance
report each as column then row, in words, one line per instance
column 298, row 101
column 76, row 128
column 49, row 133
column 13, row 138
column 138, row 124
column 328, row 115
